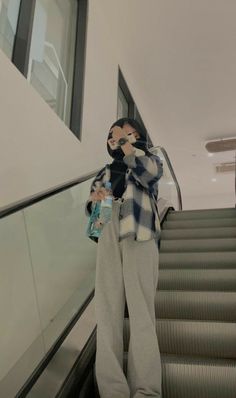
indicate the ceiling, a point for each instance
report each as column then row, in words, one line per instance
column 179, row 60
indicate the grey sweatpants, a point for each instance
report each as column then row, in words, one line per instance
column 126, row 269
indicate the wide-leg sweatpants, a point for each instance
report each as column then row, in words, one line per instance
column 126, row 269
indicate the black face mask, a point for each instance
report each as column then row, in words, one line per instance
column 117, row 154
column 140, row 145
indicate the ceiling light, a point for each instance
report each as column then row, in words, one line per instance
column 225, row 167
column 221, row 145
column 213, row 179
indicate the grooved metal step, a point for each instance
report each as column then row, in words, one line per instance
column 188, row 224
column 199, row 233
column 198, row 260
column 214, row 306
column 195, row 245
column 186, row 377
column 195, row 305
column 197, row 279
column 193, row 338
column 191, row 377
column 201, row 214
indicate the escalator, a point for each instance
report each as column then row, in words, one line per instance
column 195, row 300
column 195, row 306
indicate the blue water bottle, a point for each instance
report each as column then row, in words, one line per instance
column 106, row 205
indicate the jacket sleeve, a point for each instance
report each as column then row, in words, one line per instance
column 96, row 183
column 146, row 170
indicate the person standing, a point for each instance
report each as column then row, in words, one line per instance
column 127, row 266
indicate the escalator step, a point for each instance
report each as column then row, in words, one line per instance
column 202, row 214
column 195, row 245
column 189, row 377
column 199, row 233
column 198, row 378
column 197, row 279
column 215, row 306
column 215, row 259
column 193, row 338
column 210, row 223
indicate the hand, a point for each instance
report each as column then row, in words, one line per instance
column 98, row 195
column 117, row 133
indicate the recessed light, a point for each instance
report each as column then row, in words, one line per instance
column 213, row 179
column 221, row 145
column 210, row 155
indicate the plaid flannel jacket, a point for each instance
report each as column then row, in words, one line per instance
column 138, row 214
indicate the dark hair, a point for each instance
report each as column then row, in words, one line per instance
column 142, row 141
column 126, row 120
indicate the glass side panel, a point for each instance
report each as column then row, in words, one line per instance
column 9, row 11
column 63, row 258
column 167, row 188
column 51, row 62
column 47, row 267
column 20, row 322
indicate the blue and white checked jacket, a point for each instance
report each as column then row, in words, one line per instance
column 138, row 214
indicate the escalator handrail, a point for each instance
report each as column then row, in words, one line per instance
column 167, row 159
column 13, row 208
column 20, row 205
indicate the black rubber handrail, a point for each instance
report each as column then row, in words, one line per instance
column 13, row 208
column 172, row 173
column 81, row 369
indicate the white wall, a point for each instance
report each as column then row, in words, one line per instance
column 37, row 151
column 214, row 201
